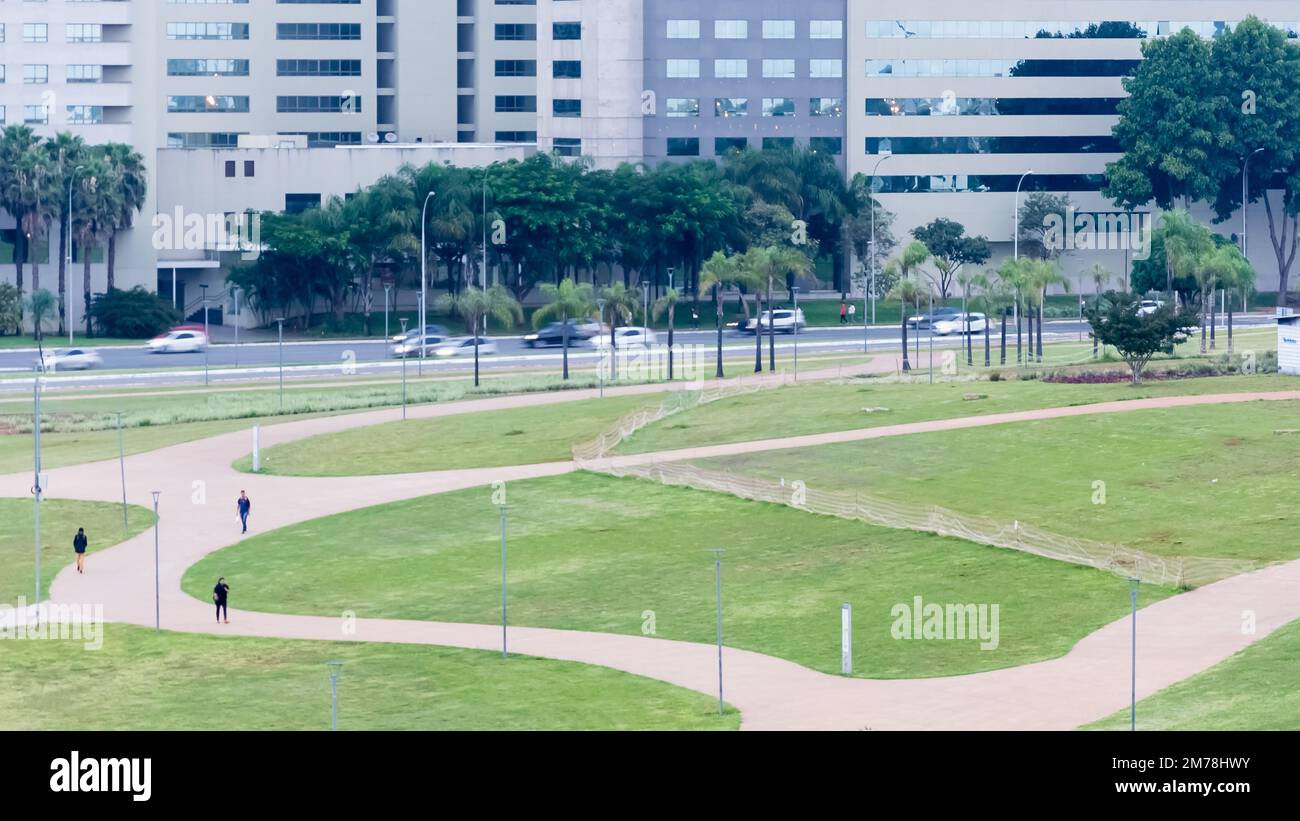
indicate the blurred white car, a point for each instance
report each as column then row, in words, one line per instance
column 71, row 359
column 628, row 337
column 178, row 342
column 957, row 324
column 785, row 321
column 1150, row 306
column 410, row 346
column 464, row 346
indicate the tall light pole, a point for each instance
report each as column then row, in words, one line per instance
column 72, row 182
column 794, row 292
column 335, row 668
column 407, row 345
column 36, row 471
column 483, row 276
column 206, row 338
column 235, row 295
column 717, row 592
column 1245, row 200
column 866, row 332
column 279, row 321
column 388, row 289
column 1015, row 215
column 1133, row 601
column 157, row 575
column 121, row 464
column 504, row 524
column 424, row 272
column 600, row 363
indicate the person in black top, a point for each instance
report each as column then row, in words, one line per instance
column 219, row 595
column 79, row 543
column 244, row 505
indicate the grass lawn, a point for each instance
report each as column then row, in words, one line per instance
column 1252, row 690
column 180, row 681
column 59, row 522
column 590, row 552
column 822, row 407
column 507, row 437
column 1199, row 481
column 52, row 341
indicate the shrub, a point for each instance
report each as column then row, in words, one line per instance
column 11, row 313
column 133, row 314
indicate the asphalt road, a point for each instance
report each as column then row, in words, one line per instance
column 124, row 366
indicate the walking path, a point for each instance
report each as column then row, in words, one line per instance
column 1177, row 637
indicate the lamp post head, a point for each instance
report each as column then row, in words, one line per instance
column 155, row 494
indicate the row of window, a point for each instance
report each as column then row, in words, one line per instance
column 690, row 146
column 230, row 139
column 528, row 31
column 739, row 107
column 772, row 29
column 283, row 31
column 773, row 69
column 72, row 33
column 560, row 69
column 1020, row 29
column 285, row 104
column 76, row 114
column 283, row 68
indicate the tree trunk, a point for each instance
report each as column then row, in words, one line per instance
column 1214, row 320
column 474, row 330
column 1002, row 356
column 907, row 366
column 1205, row 313
column 671, row 311
column 1020, row 357
column 85, row 287
column 112, row 261
column 717, row 301
column 1230, row 348
column 1285, row 258
column 988, row 351
column 564, row 343
column 758, row 334
column 771, row 329
column 64, row 239
column 1042, row 302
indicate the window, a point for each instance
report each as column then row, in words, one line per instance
column 778, row 143
column 826, row 107
column 778, row 107
column 516, row 136
column 778, row 29
column 84, row 33
column 689, row 69
column 85, row 114
column 36, row 74
column 36, row 33
column 566, row 108
column 516, row 68
column 36, row 115
column 516, row 103
column 230, row 168
column 85, row 73
column 683, row 146
column 822, row 68
column 730, row 29
column 683, row 29
column 297, row 203
column 516, row 31
column 567, row 146
column 731, row 107
column 566, row 31
column 778, row 69
column 250, row 168
column 731, row 68
column 566, row 69
column 683, row 106
column 827, row 145
column 826, row 29
column 724, row 145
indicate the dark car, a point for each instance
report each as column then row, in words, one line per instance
column 937, row 315
column 580, row 333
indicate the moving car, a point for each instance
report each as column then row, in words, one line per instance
column 178, row 341
column 580, row 332
column 70, row 359
column 1149, row 306
column 628, row 337
column 957, row 324
column 432, row 330
column 783, row 320
column 410, row 345
column 926, row 320
column 464, row 346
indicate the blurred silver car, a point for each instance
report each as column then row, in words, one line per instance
column 70, row 359
column 464, row 346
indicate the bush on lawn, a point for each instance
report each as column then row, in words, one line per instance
column 11, row 312
column 133, row 314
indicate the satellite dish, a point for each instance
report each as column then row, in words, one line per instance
column 372, row 137
column 390, row 137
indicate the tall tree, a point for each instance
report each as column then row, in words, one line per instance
column 475, row 306
column 564, row 302
column 128, row 179
column 950, row 249
column 67, row 152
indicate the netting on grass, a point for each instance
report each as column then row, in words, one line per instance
column 1173, row 571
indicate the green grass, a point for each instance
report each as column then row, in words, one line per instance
column 141, row 681
column 1197, row 481
column 1252, row 690
column 823, row 407
column 59, row 522
column 507, row 437
column 590, row 552
column 52, row 341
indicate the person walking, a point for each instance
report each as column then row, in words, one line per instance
column 853, row 312
column 79, row 544
column 695, row 317
column 244, row 505
column 844, row 312
column 220, row 594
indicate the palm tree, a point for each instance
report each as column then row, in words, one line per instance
column 989, row 296
column 128, row 180
column 622, row 303
column 474, row 305
column 768, row 264
column 668, row 304
column 1042, row 274
column 566, row 301
column 1013, row 275
column 1226, row 265
column 38, row 190
column 967, row 280
column 16, row 143
column 67, row 152
column 907, row 291
column 718, row 272
column 1099, row 276
column 93, row 210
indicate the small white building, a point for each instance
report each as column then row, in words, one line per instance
column 1288, row 344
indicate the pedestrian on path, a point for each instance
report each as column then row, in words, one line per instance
column 79, row 544
column 844, row 311
column 244, row 505
column 695, row 317
column 220, row 594
column 853, row 312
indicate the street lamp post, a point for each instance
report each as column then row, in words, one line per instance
column 405, row 350
column 794, row 292
column 280, row 325
column 157, row 584
column 717, row 592
column 866, row 332
column 600, row 362
column 36, row 471
column 483, row 275
column 72, row 182
column 235, row 295
column 388, row 289
column 1015, row 216
column 1245, row 200
column 121, row 464
column 206, row 339
column 1133, row 603
column 335, row 668
column 424, row 273
column 504, row 523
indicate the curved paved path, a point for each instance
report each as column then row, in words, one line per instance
column 1178, row 637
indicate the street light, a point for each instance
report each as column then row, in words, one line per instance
column 483, row 275
column 717, row 591
column 72, row 181
column 405, row 346
column 600, row 363
column 1015, row 217
column 388, row 289
column 335, row 668
column 794, row 291
column 206, row 339
column 157, row 584
column 121, row 464
column 36, row 471
column 504, row 524
column 866, row 333
column 1133, row 583
column 424, row 265
column 279, row 321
